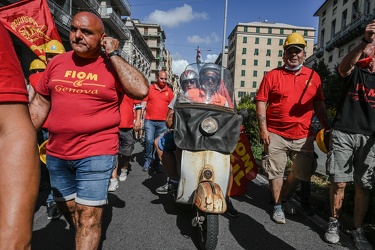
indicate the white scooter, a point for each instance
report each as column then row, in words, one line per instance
column 206, row 130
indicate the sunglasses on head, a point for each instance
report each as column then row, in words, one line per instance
column 212, row 78
column 191, row 81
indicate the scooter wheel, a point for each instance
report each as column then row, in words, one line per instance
column 208, row 231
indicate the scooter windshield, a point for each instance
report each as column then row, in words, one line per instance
column 206, row 83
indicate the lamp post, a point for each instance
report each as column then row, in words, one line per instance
column 223, row 59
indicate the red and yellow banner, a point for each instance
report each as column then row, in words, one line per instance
column 32, row 22
column 244, row 168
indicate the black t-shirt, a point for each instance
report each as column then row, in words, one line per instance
column 357, row 113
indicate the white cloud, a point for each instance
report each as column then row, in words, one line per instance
column 196, row 39
column 174, row 17
column 178, row 66
column 211, row 58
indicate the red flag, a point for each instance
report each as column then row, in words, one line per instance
column 244, row 168
column 198, row 58
column 32, row 22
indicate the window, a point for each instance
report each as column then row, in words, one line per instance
column 255, row 73
column 269, row 30
column 294, row 30
column 324, row 13
column 330, row 59
column 268, row 52
column 343, row 19
column 244, row 39
column 269, row 41
column 351, row 47
column 241, row 94
column 254, row 84
column 268, row 63
column 243, row 61
column 334, row 2
column 281, row 42
column 323, row 21
column 255, row 62
column 279, row 63
column 341, row 52
column 257, row 30
column 282, row 31
column 344, row 2
column 257, row 40
column 264, row 73
column 322, row 38
column 243, row 51
column 305, row 33
column 334, row 11
column 280, row 53
column 243, row 72
column 245, row 29
column 242, row 84
column 355, row 10
column 333, row 28
column 256, row 52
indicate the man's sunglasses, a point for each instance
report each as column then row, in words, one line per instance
column 191, row 81
column 212, row 78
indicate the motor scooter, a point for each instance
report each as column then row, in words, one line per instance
column 206, row 130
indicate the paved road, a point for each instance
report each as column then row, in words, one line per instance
column 137, row 218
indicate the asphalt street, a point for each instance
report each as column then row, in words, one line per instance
column 138, row 218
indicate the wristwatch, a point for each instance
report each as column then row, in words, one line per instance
column 366, row 41
column 114, row 53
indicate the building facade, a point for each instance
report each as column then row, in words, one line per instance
column 257, row 47
column 341, row 27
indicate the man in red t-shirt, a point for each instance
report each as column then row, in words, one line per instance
column 80, row 92
column 286, row 99
column 19, row 161
column 157, row 102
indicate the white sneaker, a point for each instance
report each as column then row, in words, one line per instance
column 113, row 185
column 123, row 175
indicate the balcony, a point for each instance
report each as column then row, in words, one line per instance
column 350, row 32
column 88, row 4
column 113, row 20
column 124, row 7
column 61, row 17
column 319, row 52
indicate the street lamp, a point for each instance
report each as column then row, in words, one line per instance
column 223, row 59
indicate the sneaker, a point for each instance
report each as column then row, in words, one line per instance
column 307, row 209
column 360, row 240
column 167, row 188
column 123, row 175
column 146, row 167
column 231, row 211
column 332, row 234
column 52, row 211
column 278, row 214
column 289, row 208
column 113, row 185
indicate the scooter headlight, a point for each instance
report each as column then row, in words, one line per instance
column 209, row 126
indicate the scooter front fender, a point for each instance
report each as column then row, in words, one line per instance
column 209, row 198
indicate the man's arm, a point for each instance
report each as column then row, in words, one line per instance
column 39, row 109
column 321, row 112
column 138, row 118
column 261, row 108
column 347, row 64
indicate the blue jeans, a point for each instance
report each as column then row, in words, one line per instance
column 85, row 180
column 152, row 130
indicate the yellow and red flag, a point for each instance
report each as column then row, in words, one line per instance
column 32, row 22
column 244, row 168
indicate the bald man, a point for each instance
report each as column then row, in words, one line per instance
column 81, row 90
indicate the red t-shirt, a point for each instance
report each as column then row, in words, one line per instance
column 157, row 103
column 34, row 80
column 290, row 100
column 127, row 112
column 84, row 115
column 12, row 81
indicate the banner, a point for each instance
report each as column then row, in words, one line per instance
column 31, row 21
column 244, row 168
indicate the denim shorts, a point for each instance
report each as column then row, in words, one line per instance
column 126, row 141
column 166, row 142
column 85, row 180
column 351, row 158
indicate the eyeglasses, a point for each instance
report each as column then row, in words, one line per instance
column 212, row 78
column 191, row 81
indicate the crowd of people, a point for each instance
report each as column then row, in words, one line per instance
column 84, row 154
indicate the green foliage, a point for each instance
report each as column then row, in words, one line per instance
column 251, row 125
column 331, row 82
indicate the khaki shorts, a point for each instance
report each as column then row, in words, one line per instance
column 301, row 155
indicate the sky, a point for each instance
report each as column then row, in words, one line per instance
column 189, row 24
